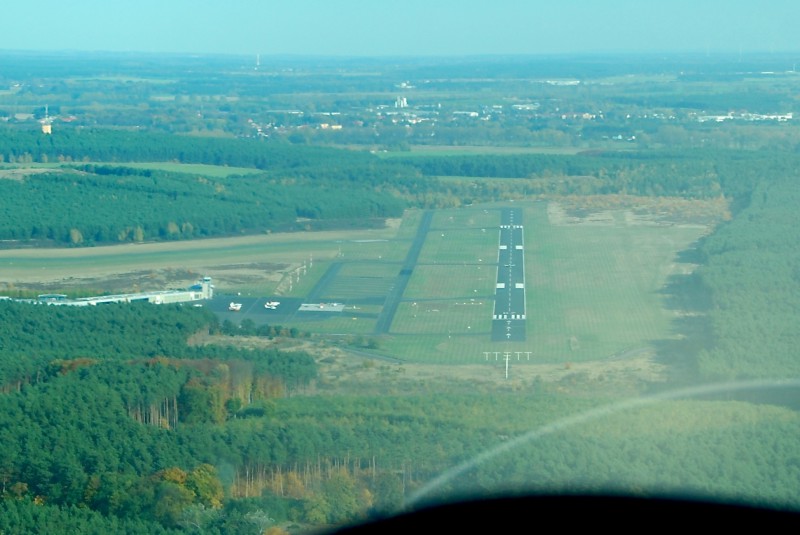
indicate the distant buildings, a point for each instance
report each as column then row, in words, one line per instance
column 200, row 291
column 47, row 123
column 780, row 117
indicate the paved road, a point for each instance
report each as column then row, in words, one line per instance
column 508, row 319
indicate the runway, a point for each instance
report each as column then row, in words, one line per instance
column 508, row 319
column 395, row 295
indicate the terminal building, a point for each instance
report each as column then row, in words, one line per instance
column 201, row 291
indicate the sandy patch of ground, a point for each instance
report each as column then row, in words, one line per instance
column 632, row 210
column 21, row 173
column 344, row 372
column 89, row 281
column 394, row 223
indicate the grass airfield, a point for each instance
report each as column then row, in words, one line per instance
column 594, row 278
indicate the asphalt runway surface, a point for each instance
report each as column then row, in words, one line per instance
column 508, row 318
column 395, row 295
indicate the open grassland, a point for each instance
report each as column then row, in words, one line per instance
column 369, row 269
column 460, row 246
column 300, row 280
column 213, row 171
column 465, row 283
column 594, row 278
column 594, row 288
column 474, row 217
column 454, row 318
column 450, row 150
column 407, row 227
column 372, row 250
column 237, row 264
column 359, row 281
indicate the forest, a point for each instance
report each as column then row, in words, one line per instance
column 304, row 188
column 226, row 438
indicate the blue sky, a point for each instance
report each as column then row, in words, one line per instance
column 401, row 27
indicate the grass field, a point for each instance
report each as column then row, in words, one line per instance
column 450, row 150
column 237, row 264
column 593, row 289
column 462, row 282
column 460, row 246
column 593, row 278
column 213, row 171
column 360, row 281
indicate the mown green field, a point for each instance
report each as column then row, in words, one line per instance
column 445, row 150
column 593, row 289
column 594, row 286
column 359, row 281
column 64, row 264
column 457, row 282
column 214, row 171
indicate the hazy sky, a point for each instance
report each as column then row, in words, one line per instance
column 401, row 27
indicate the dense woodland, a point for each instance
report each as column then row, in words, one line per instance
column 87, row 204
column 226, row 438
column 301, row 188
column 751, row 272
column 113, row 422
